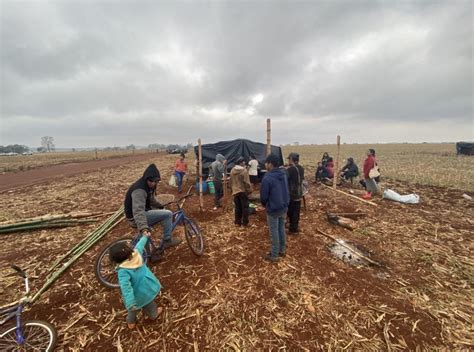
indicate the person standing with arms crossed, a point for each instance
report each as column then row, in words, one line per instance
column 295, row 174
column 241, row 187
column 274, row 196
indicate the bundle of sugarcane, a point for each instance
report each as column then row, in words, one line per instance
column 77, row 251
column 48, row 221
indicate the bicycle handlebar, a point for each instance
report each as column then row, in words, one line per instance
column 179, row 200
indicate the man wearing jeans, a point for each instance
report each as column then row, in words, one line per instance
column 274, row 196
column 143, row 210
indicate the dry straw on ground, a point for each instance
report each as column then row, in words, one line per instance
column 231, row 299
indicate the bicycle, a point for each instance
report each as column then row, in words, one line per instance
column 105, row 269
column 30, row 335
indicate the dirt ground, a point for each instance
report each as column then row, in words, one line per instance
column 11, row 180
column 421, row 297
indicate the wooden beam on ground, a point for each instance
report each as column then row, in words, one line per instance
column 269, row 139
column 201, row 200
column 353, row 250
column 352, row 196
column 336, row 168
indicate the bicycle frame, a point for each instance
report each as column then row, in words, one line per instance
column 15, row 310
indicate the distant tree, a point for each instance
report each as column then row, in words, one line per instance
column 47, row 142
column 130, row 147
column 73, row 150
column 189, row 145
column 41, row 149
column 14, row 148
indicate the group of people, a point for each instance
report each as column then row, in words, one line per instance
column 281, row 193
column 325, row 172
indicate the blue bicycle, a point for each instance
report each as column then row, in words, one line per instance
column 31, row 335
column 105, row 269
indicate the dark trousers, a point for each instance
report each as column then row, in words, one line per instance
column 254, row 179
column 349, row 174
column 321, row 174
column 241, row 202
column 219, row 192
column 294, row 214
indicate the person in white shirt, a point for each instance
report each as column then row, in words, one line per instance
column 253, row 169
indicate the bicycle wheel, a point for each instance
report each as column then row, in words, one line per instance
column 105, row 269
column 38, row 335
column 194, row 237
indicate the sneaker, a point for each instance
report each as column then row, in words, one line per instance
column 293, row 232
column 282, row 254
column 171, row 243
column 131, row 326
column 367, row 196
column 271, row 258
column 156, row 255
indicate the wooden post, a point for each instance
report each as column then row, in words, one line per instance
column 201, row 200
column 336, row 168
column 96, row 154
column 269, row 139
column 225, row 179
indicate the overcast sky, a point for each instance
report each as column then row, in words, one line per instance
column 113, row 73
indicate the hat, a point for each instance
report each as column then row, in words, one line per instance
column 294, row 156
column 273, row 159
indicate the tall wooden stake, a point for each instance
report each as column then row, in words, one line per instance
column 225, row 179
column 336, row 169
column 201, row 200
column 269, row 139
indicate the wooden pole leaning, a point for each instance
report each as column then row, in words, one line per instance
column 269, row 139
column 201, row 200
column 336, row 168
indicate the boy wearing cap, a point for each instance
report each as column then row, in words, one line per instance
column 274, row 196
column 143, row 210
column 295, row 174
column 241, row 187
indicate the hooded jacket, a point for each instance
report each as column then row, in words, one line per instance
column 351, row 167
column 274, row 193
column 217, row 167
column 240, row 180
column 140, row 198
column 295, row 181
column 137, row 283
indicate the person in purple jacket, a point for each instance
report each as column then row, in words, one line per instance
column 275, row 197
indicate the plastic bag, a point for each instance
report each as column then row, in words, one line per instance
column 407, row 199
column 172, row 181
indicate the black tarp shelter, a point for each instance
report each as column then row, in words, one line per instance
column 232, row 150
column 466, row 148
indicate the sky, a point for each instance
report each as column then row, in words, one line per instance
column 114, row 73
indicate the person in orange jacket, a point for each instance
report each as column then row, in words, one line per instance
column 180, row 169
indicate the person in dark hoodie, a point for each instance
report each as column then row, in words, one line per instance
column 241, row 188
column 218, row 168
column 295, row 174
column 143, row 210
column 350, row 170
column 274, row 196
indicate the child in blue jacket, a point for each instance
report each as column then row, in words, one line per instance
column 138, row 285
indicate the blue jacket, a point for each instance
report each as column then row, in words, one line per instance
column 274, row 193
column 137, row 283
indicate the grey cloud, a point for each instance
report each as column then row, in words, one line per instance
column 174, row 67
